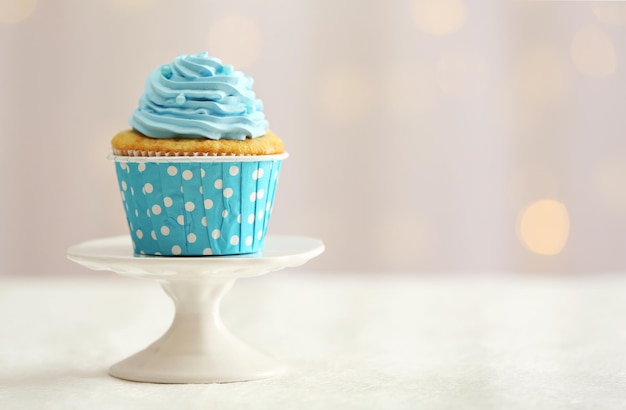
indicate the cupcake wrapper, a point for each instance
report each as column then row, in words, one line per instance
column 197, row 207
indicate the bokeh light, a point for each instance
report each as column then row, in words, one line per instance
column 610, row 184
column 462, row 74
column 609, row 12
column 539, row 80
column 439, row 17
column 592, row 52
column 236, row 39
column 346, row 94
column 16, row 11
column 542, row 75
column 543, row 227
column 410, row 89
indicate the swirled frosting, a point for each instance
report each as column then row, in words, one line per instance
column 196, row 96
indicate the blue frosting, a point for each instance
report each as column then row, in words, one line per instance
column 196, row 96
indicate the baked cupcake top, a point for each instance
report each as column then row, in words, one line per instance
column 135, row 144
column 196, row 96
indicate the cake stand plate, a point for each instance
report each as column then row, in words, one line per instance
column 197, row 348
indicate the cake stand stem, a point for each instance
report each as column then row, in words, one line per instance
column 197, row 316
column 197, row 348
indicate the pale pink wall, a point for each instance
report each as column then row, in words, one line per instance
column 419, row 130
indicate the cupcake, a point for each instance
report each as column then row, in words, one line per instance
column 198, row 169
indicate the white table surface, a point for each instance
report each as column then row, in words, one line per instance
column 350, row 341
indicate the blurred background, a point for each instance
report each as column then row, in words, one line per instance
column 425, row 135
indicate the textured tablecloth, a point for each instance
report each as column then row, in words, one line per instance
column 350, row 341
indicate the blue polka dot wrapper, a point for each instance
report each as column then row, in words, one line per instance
column 192, row 206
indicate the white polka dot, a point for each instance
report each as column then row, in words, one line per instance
column 180, row 219
column 234, row 240
column 156, row 210
column 208, row 204
column 132, row 190
column 228, row 192
column 136, row 212
column 124, row 186
column 147, row 188
column 187, row 175
column 167, row 201
column 267, row 206
column 216, row 233
column 165, row 230
column 260, row 194
column 260, row 214
column 141, row 167
column 249, row 240
column 148, row 213
column 259, row 234
column 201, row 190
column 203, row 221
column 153, row 235
column 239, row 218
column 156, row 253
column 257, row 173
column 189, row 206
column 139, row 233
column 172, row 170
column 123, row 166
column 182, row 190
column 123, row 196
column 250, row 218
column 224, row 213
column 253, row 197
column 202, row 173
column 176, row 250
column 207, row 251
column 234, row 170
column 218, row 184
column 191, row 238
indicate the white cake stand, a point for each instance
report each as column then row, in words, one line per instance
column 197, row 348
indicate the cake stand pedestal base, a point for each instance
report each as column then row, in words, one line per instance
column 197, row 348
